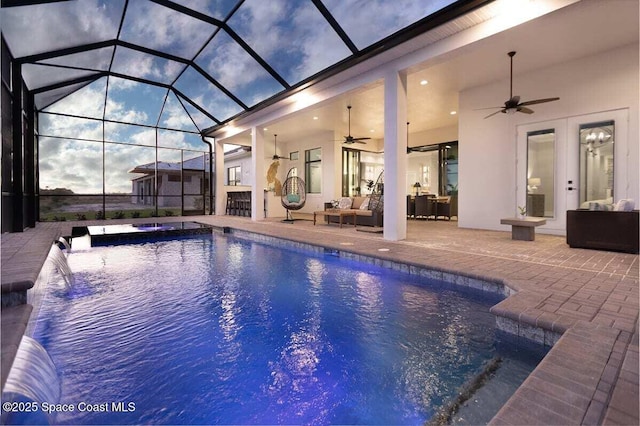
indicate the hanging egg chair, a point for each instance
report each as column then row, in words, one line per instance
column 294, row 194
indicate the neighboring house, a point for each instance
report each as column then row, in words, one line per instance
column 190, row 177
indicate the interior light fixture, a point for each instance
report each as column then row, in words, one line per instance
column 424, row 82
column 511, row 111
column 453, row 112
column 315, row 117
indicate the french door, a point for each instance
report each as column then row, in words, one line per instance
column 571, row 163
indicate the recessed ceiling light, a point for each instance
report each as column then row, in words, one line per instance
column 424, row 82
column 372, row 130
column 315, row 118
column 265, row 128
column 453, row 112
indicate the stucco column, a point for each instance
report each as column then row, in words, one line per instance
column 258, row 177
column 221, row 194
column 395, row 155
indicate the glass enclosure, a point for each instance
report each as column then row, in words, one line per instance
column 541, row 173
column 116, row 82
column 596, row 163
column 93, row 169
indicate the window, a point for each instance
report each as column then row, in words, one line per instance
column 293, row 156
column 234, row 176
column 313, row 170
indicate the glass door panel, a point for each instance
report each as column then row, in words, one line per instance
column 351, row 173
column 541, row 149
column 596, row 163
column 540, row 172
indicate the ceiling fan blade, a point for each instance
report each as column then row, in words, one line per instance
column 360, row 139
column 495, row 107
column 525, row 110
column 494, row 113
column 539, row 101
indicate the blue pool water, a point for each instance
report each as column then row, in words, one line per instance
column 216, row 330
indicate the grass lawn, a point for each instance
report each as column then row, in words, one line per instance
column 116, row 214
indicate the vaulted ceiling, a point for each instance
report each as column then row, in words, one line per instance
column 216, row 59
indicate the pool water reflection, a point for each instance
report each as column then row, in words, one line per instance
column 216, row 330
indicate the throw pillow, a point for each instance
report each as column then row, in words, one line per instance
column 365, row 204
column 345, row 203
column 293, row 198
column 625, row 205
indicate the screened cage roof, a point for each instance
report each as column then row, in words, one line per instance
column 215, row 60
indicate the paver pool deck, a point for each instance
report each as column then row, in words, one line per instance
column 584, row 303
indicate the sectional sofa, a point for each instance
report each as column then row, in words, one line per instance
column 364, row 216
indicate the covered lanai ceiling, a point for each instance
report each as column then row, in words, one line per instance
column 214, row 59
column 564, row 35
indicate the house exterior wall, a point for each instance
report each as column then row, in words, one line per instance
column 142, row 191
column 245, row 169
column 169, row 192
column 487, row 172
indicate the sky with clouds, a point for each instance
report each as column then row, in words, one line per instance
column 291, row 36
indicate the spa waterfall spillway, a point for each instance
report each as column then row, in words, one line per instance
column 32, row 385
column 33, row 382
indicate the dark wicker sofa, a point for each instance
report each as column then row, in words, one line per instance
column 364, row 217
column 603, row 230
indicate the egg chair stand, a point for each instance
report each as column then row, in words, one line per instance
column 293, row 195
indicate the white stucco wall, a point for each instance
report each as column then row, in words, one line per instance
column 245, row 168
column 603, row 82
column 434, row 136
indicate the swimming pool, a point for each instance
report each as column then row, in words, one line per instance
column 218, row 330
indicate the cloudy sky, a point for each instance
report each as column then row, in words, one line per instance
column 291, row 36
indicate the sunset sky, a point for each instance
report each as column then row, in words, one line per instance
column 291, row 36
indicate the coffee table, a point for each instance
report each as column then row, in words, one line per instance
column 335, row 213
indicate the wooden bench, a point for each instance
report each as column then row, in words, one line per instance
column 523, row 229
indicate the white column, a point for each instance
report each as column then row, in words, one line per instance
column 221, row 195
column 258, row 177
column 395, row 155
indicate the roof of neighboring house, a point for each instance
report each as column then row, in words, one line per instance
column 199, row 163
